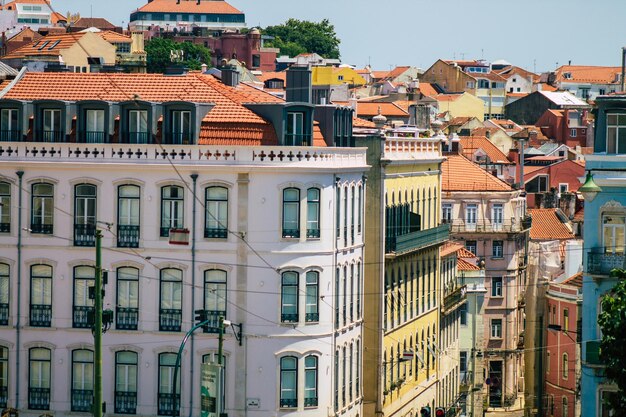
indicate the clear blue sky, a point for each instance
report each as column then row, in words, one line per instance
column 534, row 34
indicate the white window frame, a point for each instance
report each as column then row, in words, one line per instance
column 496, row 287
column 496, row 330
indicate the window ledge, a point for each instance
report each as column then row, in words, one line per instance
column 497, row 297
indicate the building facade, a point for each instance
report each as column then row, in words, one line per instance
column 272, row 231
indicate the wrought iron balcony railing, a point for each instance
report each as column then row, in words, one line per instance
column 166, row 404
column 4, row 314
column 170, row 320
column 40, row 315
column 125, row 402
column 80, row 317
column 127, row 236
column 82, row 399
column 604, row 262
column 85, row 235
column 39, row 398
column 126, row 318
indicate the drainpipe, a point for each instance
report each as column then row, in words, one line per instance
column 336, row 180
column 20, row 174
column 194, row 178
column 622, row 82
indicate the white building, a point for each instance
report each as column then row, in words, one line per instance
column 16, row 15
column 275, row 244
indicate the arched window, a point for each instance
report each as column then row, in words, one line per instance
column 291, row 213
column 165, row 394
column 4, row 294
column 5, row 206
column 125, row 382
column 39, row 378
column 128, row 201
column 170, row 310
column 172, row 209
column 85, row 215
column 310, row 381
column 4, row 376
column 84, row 277
column 289, row 297
column 288, row 382
column 313, row 213
column 215, row 297
column 565, row 366
column 127, row 305
column 40, row 296
column 312, row 297
column 216, row 204
column 42, row 207
column 82, row 380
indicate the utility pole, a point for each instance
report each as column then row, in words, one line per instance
column 220, row 349
column 97, row 329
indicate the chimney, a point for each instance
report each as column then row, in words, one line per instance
column 354, row 105
column 299, row 84
column 137, row 44
column 204, row 68
column 230, row 75
column 198, row 3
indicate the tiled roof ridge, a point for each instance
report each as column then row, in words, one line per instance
column 484, row 181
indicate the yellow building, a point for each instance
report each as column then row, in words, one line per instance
column 336, row 75
column 461, row 105
column 401, row 357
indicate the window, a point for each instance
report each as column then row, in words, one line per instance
column 496, row 328
column 4, row 295
column 170, row 311
column 563, row 187
column 291, row 213
column 85, row 215
column 167, row 362
column 42, row 206
column 601, row 91
column 584, row 93
column 539, row 184
column 498, row 249
column 338, row 210
column 181, row 128
column 40, row 296
column 496, row 286
column 463, row 366
column 289, row 297
column 312, row 298
column 172, row 209
column 470, row 245
column 565, row 411
column 82, row 380
column 310, row 381
column 9, row 125
column 573, row 133
column 216, row 204
column 352, row 214
column 215, row 297
column 565, row 370
column 463, row 314
column 127, row 304
column 39, row 379
column 605, row 410
column 345, row 216
column 84, row 277
column 137, row 126
column 360, row 208
column 128, row 204
column 565, row 320
column 4, row 376
column 295, row 135
column 125, row 382
column 446, row 212
column 358, row 290
column 94, row 126
column 288, row 382
column 613, row 233
column 497, row 216
column 548, row 362
column 357, row 380
column 5, row 207
column 471, row 211
column 313, row 213
column 616, row 133
column 51, row 126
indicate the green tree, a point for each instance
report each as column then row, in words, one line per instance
column 298, row 36
column 158, row 52
column 612, row 322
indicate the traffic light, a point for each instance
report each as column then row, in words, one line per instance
column 440, row 412
column 200, row 316
column 425, row 412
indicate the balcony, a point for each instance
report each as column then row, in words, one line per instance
column 52, row 136
column 166, row 404
column 288, row 402
column 291, row 233
column 417, row 240
column 213, row 317
column 125, row 402
column 80, row 317
column 487, row 226
column 136, row 137
column 170, row 320
column 454, row 299
column 5, row 227
column 177, row 138
column 313, row 233
column 39, row 398
column 40, row 315
column 604, row 263
column 10, row 135
column 4, row 314
column 289, row 317
column 43, row 229
column 82, row 400
column 310, row 402
column 402, row 148
column 312, row 317
column 127, row 236
column 92, row 137
column 126, row 318
column 215, row 233
column 85, row 235
column 295, row 139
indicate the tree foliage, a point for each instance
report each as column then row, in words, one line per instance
column 612, row 322
column 158, row 52
column 299, row 36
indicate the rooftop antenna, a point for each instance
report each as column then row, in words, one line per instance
column 462, row 56
column 535, row 66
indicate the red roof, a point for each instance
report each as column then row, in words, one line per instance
column 588, row 74
column 460, row 174
column 471, row 144
column 272, row 75
column 547, row 225
column 189, row 6
column 358, row 122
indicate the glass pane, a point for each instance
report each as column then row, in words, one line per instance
column 129, row 191
column 621, row 140
column 313, row 194
column 95, row 120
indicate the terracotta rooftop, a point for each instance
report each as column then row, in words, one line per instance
column 49, row 45
column 370, row 109
column 547, row 224
column 511, row 70
column 448, row 97
column 427, row 89
column 93, row 22
column 588, row 74
column 575, row 280
column 272, row 75
column 449, row 248
column 189, row 6
column 545, row 87
column 358, row 122
column 463, row 265
column 471, row 144
column 396, row 72
column 460, row 174
column 11, row 5
column 460, row 120
column 482, row 131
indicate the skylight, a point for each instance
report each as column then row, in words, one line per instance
column 43, row 45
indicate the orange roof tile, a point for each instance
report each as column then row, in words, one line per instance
column 11, row 5
column 449, row 248
column 471, row 144
column 318, row 137
column 460, row 174
column 545, row 87
column 575, row 280
column 271, row 75
column 447, row 97
column 187, row 6
column 110, row 36
column 546, row 225
column 55, row 44
column 588, row 74
column 95, row 22
column 358, row 122
column 482, row 131
column 463, row 265
column 56, row 17
column 516, row 94
column 370, row 109
column 427, row 89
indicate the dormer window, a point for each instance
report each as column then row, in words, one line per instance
column 9, row 125
column 51, row 131
column 616, row 133
column 137, row 126
column 296, row 135
column 94, row 126
column 567, row 75
column 180, row 128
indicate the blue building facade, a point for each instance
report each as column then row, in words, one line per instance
column 604, row 233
